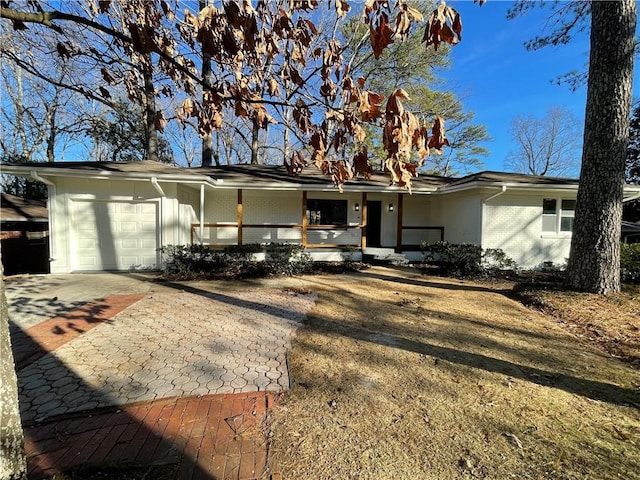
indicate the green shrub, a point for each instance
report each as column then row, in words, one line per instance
column 465, row 259
column 288, row 259
column 630, row 262
column 235, row 261
column 190, row 260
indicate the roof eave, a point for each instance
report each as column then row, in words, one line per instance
column 201, row 179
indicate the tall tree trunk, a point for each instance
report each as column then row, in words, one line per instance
column 594, row 261
column 13, row 464
column 150, row 115
column 51, row 138
column 207, row 140
column 255, row 160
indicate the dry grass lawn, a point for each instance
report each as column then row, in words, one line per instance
column 402, row 376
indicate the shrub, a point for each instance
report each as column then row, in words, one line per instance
column 288, row 259
column 465, row 260
column 190, row 260
column 630, row 262
column 235, row 261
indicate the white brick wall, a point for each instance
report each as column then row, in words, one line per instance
column 514, row 224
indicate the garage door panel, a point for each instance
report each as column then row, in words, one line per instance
column 114, row 235
column 148, row 244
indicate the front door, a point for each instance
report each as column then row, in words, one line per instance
column 374, row 223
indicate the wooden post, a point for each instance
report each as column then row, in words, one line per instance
column 305, row 220
column 399, row 223
column 239, row 219
column 363, row 238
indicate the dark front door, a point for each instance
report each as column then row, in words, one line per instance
column 374, row 223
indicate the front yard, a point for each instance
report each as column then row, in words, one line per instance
column 403, row 376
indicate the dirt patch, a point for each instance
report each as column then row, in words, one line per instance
column 398, row 375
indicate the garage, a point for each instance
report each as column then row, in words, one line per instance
column 114, row 235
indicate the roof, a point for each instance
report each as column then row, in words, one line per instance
column 275, row 176
column 508, row 177
column 16, row 209
column 254, row 175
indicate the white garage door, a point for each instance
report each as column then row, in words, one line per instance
column 114, row 235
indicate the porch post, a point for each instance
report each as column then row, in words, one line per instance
column 201, row 215
column 305, row 221
column 239, row 219
column 399, row 223
column 363, row 237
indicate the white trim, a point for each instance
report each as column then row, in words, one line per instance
column 201, row 215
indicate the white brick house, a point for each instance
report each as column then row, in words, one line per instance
column 115, row 216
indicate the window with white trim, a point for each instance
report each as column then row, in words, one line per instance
column 557, row 215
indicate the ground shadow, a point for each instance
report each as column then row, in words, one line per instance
column 595, row 390
column 59, row 443
column 427, row 283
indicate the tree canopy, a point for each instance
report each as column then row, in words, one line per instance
column 546, row 146
column 266, row 57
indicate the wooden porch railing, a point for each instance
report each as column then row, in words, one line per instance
column 403, row 247
column 240, row 227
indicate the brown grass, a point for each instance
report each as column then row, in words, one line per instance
column 401, row 376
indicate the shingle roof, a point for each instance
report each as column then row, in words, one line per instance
column 507, row 177
column 277, row 175
column 266, row 174
column 16, row 209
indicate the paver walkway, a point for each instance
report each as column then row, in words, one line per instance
column 181, row 378
column 210, row 437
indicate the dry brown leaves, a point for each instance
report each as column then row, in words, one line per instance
column 443, row 25
column 263, row 49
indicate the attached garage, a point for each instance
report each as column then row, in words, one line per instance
column 114, row 235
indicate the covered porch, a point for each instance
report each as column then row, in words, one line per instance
column 324, row 222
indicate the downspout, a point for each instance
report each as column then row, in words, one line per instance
column 502, row 190
column 202, row 214
column 156, row 185
column 51, row 194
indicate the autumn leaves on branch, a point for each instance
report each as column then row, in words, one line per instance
column 270, row 54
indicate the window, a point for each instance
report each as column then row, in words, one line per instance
column 554, row 219
column 566, row 215
column 549, row 217
column 327, row 212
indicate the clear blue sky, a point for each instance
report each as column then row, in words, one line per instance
column 499, row 80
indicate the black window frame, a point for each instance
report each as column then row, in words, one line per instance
column 321, row 211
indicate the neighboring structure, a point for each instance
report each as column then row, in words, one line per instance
column 24, row 235
column 115, row 216
column 630, row 232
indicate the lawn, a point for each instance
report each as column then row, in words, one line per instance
column 402, row 376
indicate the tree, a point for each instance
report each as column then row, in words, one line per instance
column 119, row 135
column 38, row 117
column 594, row 261
column 547, row 145
column 408, row 66
column 247, row 46
column 12, row 458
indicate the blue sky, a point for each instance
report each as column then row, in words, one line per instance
column 499, row 80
